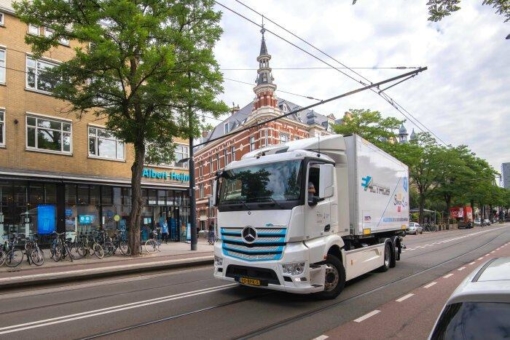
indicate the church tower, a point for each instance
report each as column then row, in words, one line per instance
column 264, row 90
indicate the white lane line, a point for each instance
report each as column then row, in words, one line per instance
column 472, row 263
column 322, row 337
column 480, row 258
column 108, row 310
column 447, row 276
column 405, row 297
column 430, row 285
column 366, row 316
column 461, row 269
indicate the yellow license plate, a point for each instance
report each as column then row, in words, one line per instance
column 248, row 281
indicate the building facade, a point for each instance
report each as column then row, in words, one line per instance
column 249, row 128
column 60, row 172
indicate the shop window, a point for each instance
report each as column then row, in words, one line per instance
column 36, row 76
column 70, row 194
column 83, row 194
column 37, row 195
column 103, row 144
column 106, row 195
column 49, row 134
column 94, row 194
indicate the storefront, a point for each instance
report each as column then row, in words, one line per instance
column 44, row 205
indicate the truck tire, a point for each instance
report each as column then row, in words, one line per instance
column 334, row 280
column 387, row 257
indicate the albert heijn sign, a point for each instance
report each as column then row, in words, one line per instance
column 165, row 175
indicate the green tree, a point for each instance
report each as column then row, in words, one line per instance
column 438, row 9
column 145, row 65
column 369, row 125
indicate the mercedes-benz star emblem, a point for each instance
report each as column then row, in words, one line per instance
column 249, row 234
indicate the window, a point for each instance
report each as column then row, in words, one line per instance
column 48, row 32
column 32, row 29
column 227, row 156
column 233, row 151
column 252, row 143
column 104, row 144
column 201, row 191
column 2, row 66
column 226, row 128
column 2, row 126
column 211, row 168
column 1, row 19
column 36, row 78
column 49, row 134
column 284, row 138
column 181, row 152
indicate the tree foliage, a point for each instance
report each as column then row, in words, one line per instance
column 438, row 9
column 146, row 65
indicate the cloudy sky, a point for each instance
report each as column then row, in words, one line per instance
column 463, row 98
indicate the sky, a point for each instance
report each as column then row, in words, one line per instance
column 463, row 98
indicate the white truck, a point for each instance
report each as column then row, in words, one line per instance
column 274, row 233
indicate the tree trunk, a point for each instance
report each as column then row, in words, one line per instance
column 136, row 199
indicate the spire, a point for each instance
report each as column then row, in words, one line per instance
column 402, row 134
column 264, row 88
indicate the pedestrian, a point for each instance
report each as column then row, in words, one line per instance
column 210, row 234
column 164, row 229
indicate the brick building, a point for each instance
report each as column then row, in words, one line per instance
column 62, row 172
column 242, row 132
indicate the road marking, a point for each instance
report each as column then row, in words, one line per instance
column 366, row 316
column 472, row 263
column 430, row 285
column 461, row 269
column 447, row 276
column 322, row 337
column 109, row 310
column 480, row 258
column 405, row 297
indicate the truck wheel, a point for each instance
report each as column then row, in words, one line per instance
column 334, row 280
column 387, row 257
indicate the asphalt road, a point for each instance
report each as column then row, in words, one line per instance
column 190, row 304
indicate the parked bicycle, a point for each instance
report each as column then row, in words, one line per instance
column 153, row 243
column 88, row 246
column 119, row 241
column 35, row 255
column 60, row 249
column 13, row 255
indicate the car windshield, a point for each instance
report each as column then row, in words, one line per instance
column 474, row 320
column 273, row 182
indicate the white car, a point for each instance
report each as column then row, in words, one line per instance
column 414, row 228
column 480, row 306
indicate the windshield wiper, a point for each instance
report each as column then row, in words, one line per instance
column 237, row 202
column 269, row 198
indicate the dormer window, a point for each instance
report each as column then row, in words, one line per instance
column 226, row 128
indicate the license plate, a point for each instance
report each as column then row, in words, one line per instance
column 250, row 282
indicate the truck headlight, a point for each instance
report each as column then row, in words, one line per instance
column 218, row 261
column 293, row 268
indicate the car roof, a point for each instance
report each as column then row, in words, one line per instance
column 490, row 282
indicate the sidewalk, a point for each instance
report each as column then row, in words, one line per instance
column 171, row 255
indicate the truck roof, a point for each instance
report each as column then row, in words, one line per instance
column 333, row 146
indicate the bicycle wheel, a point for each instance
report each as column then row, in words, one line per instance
column 78, row 250
column 124, row 248
column 68, row 252
column 150, row 246
column 3, row 256
column 109, row 248
column 14, row 258
column 37, row 257
column 56, row 253
column 98, row 250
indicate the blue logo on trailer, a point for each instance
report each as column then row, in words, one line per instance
column 405, row 183
column 365, row 182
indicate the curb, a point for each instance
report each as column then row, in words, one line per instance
column 94, row 273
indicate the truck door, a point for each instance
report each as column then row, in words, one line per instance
column 318, row 205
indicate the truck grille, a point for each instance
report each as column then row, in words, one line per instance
column 268, row 245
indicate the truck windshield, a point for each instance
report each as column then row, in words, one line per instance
column 273, row 183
